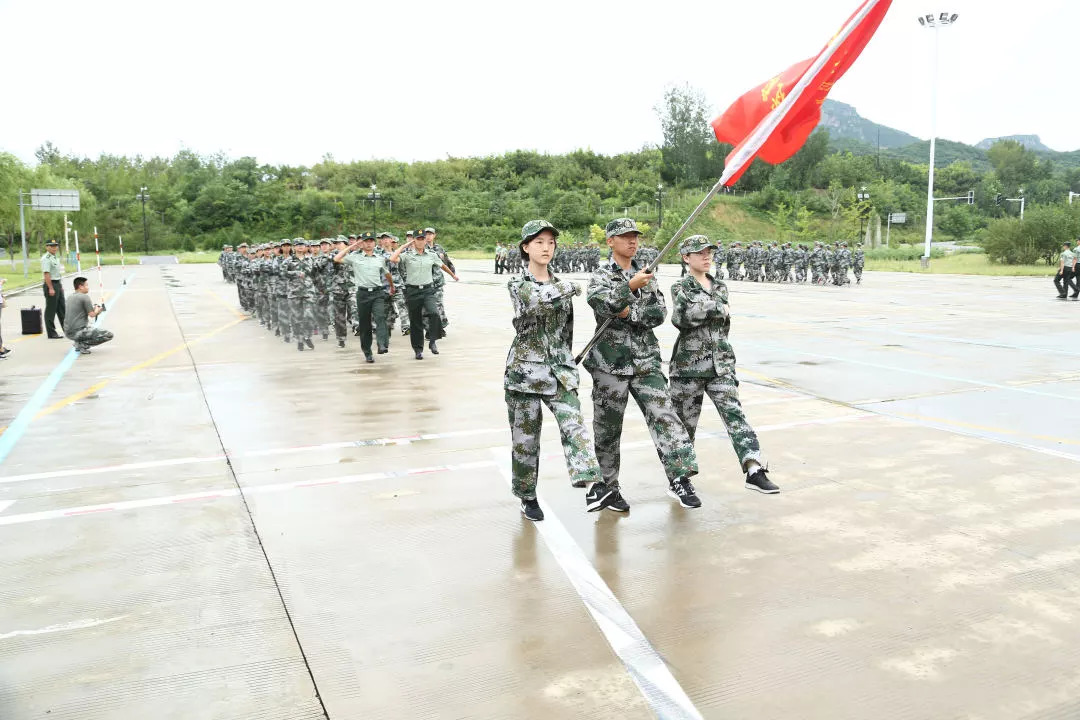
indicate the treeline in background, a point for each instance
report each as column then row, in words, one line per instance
column 200, row 202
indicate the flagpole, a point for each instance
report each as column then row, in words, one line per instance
column 749, row 147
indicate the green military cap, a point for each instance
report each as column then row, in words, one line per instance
column 418, row 232
column 52, row 242
column 367, row 236
column 695, row 243
column 621, row 226
column 534, row 227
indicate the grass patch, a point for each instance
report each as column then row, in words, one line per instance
column 959, row 264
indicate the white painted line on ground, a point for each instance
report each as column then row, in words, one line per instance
column 5, row 504
column 647, row 669
column 269, row 452
column 217, row 494
column 64, row 627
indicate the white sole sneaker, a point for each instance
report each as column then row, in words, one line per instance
column 751, row 486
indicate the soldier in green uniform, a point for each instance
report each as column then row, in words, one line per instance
column 417, row 268
column 369, row 270
column 540, row 370
column 703, row 361
column 625, row 361
column 51, row 273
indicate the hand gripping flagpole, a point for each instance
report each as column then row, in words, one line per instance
column 746, row 151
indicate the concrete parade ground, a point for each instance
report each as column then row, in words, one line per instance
column 199, row 521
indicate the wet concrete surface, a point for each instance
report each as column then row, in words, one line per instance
column 202, row 522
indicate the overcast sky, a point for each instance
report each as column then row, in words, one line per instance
column 420, row 79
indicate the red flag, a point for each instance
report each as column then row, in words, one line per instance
column 773, row 120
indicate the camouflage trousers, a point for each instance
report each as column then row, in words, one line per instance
column 301, row 318
column 687, row 395
column 282, row 312
column 526, row 420
column 442, row 307
column 322, row 314
column 650, row 391
column 340, row 305
column 398, row 300
column 858, row 273
column 90, row 336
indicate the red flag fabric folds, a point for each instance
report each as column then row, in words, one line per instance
column 800, row 118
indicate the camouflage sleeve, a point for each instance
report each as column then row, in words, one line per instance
column 650, row 310
column 688, row 312
column 530, row 299
column 607, row 296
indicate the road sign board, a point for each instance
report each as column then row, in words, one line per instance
column 63, row 200
column 898, row 218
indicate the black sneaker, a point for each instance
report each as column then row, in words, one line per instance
column 368, row 357
column 325, row 336
column 434, row 350
column 531, row 510
column 419, row 355
column 580, row 483
column 384, row 350
column 617, row 502
column 356, row 332
column 300, row 346
column 683, row 491
column 341, row 342
column 309, row 343
column 404, row 331
column 598, row 497
column 277, row 332
column 760, row 481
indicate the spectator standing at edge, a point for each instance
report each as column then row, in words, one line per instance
column 52, row 271
column 1064, row 277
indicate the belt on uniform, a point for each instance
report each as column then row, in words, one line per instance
column 369, row 289
column 420, row 287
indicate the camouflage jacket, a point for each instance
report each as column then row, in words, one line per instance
column 702, row 349
column 540, row 358
column 321, row 272
column 341, row 282
column 860, row 258
column 294, row 270
column 628, row 346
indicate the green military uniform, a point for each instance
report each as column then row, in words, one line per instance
column 368, row 273
column 54, row 304
column 703, row 360
column 418, row 270
column 625, row 361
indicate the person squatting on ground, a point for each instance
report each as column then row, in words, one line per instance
column 703, row 360
column 540, row 370
column 79, row 312
column 1066, row 274
column 369, row 270
column 417, row 269
column 625, row 361
column 51, row 273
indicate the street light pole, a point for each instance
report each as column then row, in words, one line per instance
column 934, row 24
column 143, row 196
column 374, row 197
column 660, row 204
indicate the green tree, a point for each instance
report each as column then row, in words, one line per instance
column 957, row 222
column 687, row 135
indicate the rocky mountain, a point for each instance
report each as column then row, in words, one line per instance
column 1031, row 142
column 844, row 122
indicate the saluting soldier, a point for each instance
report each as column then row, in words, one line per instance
column 703, row 361
column 369, row 270
column 417, row 269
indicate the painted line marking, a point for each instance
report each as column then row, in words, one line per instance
column 646, row 668
column 248, row 490
column 64, row 627
column 5, row 504
column 17, row 429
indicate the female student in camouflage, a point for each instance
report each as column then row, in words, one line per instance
column 704, row 362
column 540, row 369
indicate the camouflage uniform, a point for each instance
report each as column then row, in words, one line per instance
column 843, row 264
column 224, row 261
column 858, row 264
column 626, row 361
column 703, row 361
column 340, row 290
column 322, row 272
column 540, row 370
column 301, row 294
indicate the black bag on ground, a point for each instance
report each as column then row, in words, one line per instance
column 31, row 321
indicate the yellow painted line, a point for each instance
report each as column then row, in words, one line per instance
column 82, row 394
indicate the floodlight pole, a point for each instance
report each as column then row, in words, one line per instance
column 22, row 227
column 933, row 150
column 144, row 196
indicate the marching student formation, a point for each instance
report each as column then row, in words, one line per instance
column 300, row 288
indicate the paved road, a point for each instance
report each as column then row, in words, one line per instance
column 198, row 521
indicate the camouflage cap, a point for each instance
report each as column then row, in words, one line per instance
column 695, row 243
column 326, row 240
column 381, row 235
column 620, row 226
column 429, row 230
column 534, row 227
column 409, row 233
column 226, row 247
column 287, row 241
column 242, row 245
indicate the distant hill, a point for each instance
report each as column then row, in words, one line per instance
column 843, row 121
column 850, row 132
column 1031, row 142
